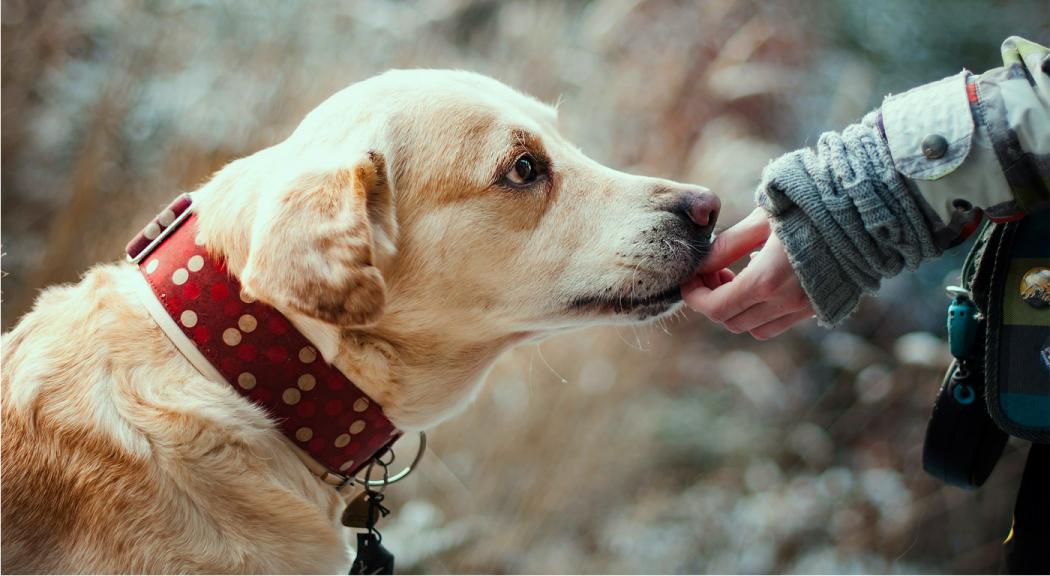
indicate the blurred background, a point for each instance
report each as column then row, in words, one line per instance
column 675, row 448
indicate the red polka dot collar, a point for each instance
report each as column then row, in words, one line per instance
column 254, row 348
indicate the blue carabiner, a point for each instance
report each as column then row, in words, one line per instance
column 963, row 317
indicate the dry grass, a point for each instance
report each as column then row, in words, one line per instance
column 658, row 449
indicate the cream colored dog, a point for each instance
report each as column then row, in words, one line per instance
column 414, row 226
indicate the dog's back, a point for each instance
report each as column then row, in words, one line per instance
column 119, row 457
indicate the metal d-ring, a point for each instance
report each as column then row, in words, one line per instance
column 368, row 482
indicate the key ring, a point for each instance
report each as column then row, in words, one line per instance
column 367, row 482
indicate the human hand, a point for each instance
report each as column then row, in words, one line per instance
column 765, row 299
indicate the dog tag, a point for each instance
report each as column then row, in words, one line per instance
column 372, row 558
column 360, row 513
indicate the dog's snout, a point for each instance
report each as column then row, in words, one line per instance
column 703, row 207
column 697, row 205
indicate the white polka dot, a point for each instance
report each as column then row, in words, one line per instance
column 291, row 396
column 196, row 263
column 306, row 382
column 346, row 465
column 247, row 323
column 246, row 298
column 357, row 427
column 152, row 266
column 304, row 434
column 231, row 336
column 151, row 231
column 166, row 217
column 180, row 276
column 342, row 440
column 188, row 318
column 307, row 355
column 361, row 404
column 246, row 380
column 198, row 239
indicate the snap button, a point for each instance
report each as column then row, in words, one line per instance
column 934, row 146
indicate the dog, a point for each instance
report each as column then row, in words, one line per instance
column 414, row 226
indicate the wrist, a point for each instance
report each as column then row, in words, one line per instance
column 831, row 292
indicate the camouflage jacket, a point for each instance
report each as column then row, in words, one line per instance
column 913, row 178
column 971, row 141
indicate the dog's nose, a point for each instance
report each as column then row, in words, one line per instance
column 703, row 207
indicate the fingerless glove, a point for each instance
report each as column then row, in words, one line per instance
column 845, row 217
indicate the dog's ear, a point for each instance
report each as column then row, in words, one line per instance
column 314, row 242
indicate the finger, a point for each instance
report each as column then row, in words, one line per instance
column 712, row 280
column 695, row 283
column 715, row 279
column 781, row 325
column 758, row 315
column 723, row 302
column 737, row 241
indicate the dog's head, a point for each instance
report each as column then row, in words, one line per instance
column 443, row 213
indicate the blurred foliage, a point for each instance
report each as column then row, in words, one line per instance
column 677, row 448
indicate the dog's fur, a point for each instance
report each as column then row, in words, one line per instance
column 385, row 227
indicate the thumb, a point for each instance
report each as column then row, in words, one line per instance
column 737, row 241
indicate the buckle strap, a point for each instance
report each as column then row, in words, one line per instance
column 159, row 228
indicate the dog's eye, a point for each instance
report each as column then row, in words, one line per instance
column 524, row 171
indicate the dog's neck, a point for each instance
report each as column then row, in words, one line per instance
column 420, row 373
column 418, row 386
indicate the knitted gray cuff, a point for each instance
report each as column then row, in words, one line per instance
column 833, row 294
column 845, row 217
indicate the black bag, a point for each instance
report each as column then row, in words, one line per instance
column 1008, row 365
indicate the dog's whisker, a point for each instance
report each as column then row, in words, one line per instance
column 549, row 367
column 624, row 340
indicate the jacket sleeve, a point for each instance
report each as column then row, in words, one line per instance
column 971, row 141
column 913, row 178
